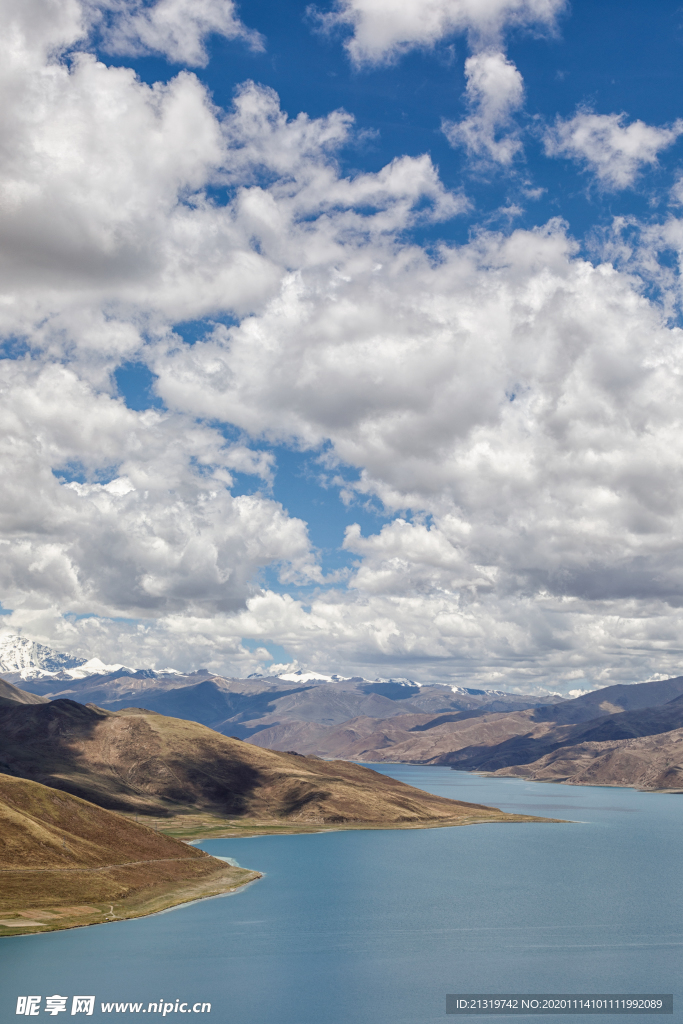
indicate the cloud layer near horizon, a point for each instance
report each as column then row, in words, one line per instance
column 514, row 407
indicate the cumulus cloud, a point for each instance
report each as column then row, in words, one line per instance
column 508, row 367
column 111, row 511
column 383, row 30
column 614, row 151
column 514, row 407
column 495, row 92
column 516, row 642
column 102, row 191
column 524, row 397
column 104, row 204
column 178, row 29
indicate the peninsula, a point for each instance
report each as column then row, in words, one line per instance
column 66, row 863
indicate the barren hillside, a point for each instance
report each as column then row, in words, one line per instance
column 143, row 762
column 65, row 862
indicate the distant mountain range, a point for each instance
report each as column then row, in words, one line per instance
column 293, row 714
column 618, row 735
column 241, row 707
column 27, row 660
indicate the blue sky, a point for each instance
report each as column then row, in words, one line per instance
column 345, row 337
column 612, row 57
column 616, row 57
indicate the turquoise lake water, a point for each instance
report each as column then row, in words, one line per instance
column 376, row 927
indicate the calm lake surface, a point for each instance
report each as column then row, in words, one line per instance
column 376, row 927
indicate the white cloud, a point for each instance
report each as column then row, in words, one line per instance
column 383, row 30
column 178, row 29
column 162, row 533
column 614, row 151
column 495, row 91
column 91, row 178
column 103, row 203
column 513, row 642
column 525, row 398
column 521, row 400
column 39, row 29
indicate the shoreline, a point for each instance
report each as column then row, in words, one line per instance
column 526, row 778
column 565, row 782
column 258, row 875
column 213, row 827
column 166, row 897
column 40, row 899
column 151, row 900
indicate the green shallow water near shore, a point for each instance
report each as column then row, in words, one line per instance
column 376, row 927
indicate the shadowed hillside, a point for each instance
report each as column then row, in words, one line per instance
column 400, row 722
column 137, row 761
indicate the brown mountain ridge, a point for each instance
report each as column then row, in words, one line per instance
column 647, row 762
column 506, row 742
column 141, row 762
column 10, row 692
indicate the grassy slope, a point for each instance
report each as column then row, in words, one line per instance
column 65, row 862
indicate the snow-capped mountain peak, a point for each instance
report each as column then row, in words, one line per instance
column 27, row 657
column 93, row 667
column 302, row 676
